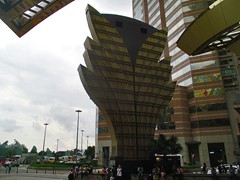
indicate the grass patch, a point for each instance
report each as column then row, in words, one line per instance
column 51, row 165
column 187, row 166
column 57, row 165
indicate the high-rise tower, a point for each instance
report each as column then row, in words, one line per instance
column 204, row 118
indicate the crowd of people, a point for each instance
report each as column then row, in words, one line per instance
column 107, row 173
column 221, row 169
column 157, row 173
column 79, row 171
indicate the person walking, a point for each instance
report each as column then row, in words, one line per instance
column 119, row 172
column 232, row 172
column 140, row 172
column 193, row 159
column 71, row 176
column 180, row 173
column 9, row 168
column 163, row 173
column 204, row 168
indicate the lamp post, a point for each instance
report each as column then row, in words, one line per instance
column 45, row 124
column 87, row 141
column 78, row 111
column 57, row 145
column 82, row 142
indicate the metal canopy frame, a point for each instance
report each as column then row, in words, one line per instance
column 216, row 28
column 22, row 15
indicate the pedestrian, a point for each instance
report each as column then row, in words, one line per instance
column 163, row 173
column 174, row 172
column 71, row 176
column 154, row 172
column 119, row 172
column 9, row 168
column 140, row 172
column 193, row 159
column 180, row 173
column 90, row 169
column 204, row 168
column 214, row 173
column 232, row 172
column 104, row 172
column 158, row 173
column 220, row 169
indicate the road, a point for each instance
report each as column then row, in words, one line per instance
column 33, row 176
column 22, row 173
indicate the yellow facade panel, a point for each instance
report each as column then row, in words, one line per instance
column 125, row 84
column 209, row 27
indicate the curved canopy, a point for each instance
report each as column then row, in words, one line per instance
column 216, row 28
column 22, row 15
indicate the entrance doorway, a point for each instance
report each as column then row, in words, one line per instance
column 193, row 153
column 216, row 154
column 105, row 151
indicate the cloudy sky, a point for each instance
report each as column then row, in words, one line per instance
column 39, row 82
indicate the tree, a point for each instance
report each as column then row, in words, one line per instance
column 90, row 152
column 5, row 143
column 48, row 152
column 68, row 153
column 164, row 146
column 19, row 148
column 3, row 150
column 34, row 149
column 13, row 149
column 25, row 149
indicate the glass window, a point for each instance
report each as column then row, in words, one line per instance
column 207, row 107
column 210, row 123
column 186, row 82
column 172, row 8
column 179, row 60
column 181, row 72
column 102, row 130
column 153, row 10
column 205, row 64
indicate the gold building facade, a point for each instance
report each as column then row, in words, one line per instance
column 126, row 80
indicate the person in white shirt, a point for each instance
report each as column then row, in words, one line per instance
column 119, row 172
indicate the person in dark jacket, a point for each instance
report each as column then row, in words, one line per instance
column 71, row 176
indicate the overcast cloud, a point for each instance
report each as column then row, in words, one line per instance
column 39, row 81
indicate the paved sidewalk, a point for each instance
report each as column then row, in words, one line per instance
column 33, row 176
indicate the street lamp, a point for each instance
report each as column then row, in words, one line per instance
column 78, row 111
column 82, row 141
column 57, row 145
column 45, row 124
column 87, row 141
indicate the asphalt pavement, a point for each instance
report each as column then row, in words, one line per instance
column 22, row 173
column 27, row 176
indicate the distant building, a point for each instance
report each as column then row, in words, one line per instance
column 103, row 142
